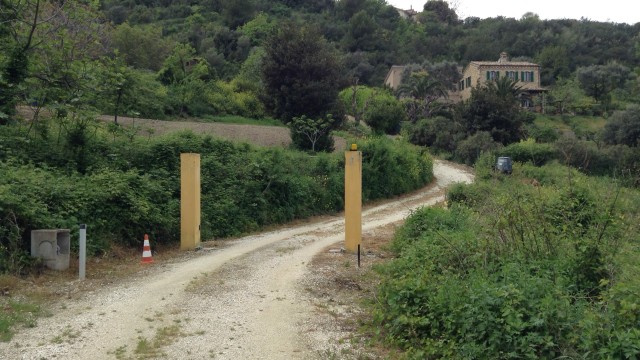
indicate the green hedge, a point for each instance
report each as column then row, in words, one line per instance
column 131, row 185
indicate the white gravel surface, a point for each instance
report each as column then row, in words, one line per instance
column 244, row 301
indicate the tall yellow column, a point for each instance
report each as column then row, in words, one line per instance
column 189, row 201
column 352, row 199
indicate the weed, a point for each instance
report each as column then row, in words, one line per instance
column 68, row 335
column 14, row 313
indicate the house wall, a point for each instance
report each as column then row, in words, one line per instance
column 475, row 74
column 394, row 77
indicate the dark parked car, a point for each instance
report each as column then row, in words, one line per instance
column 504, row 165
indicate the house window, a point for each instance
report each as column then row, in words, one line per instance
column 461, row 85
column 468, row 80
column 493, row 75
column 513, row 75
column 527, row 76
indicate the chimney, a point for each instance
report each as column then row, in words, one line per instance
column 503, row 57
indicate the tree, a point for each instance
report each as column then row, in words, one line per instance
column 362, row 33
column 314, row 135
column 506, row 89
column 565, row 94
column 554, row 64
column 426, row 90
column 495, row 109
column 142, row 48
column 623, row 127
column 384, row 114
column 599, row 80
column 302, row 74
column 237, row 12
column 51, row 47
column 185, row 75
column 440, row 10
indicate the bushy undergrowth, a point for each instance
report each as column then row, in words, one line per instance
column 128, row 186
column 518, row 268
column 619, row 161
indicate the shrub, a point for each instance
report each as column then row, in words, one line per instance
column 439, row 133
column 530, row 151
column 470, row 149
column 133, row 186
column 391, row 167
column 384, row 114
column 518, row 272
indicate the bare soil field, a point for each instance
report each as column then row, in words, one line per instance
column 268, row 136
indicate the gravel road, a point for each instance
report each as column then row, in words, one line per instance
column 241, row 301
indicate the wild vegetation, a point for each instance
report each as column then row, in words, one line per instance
column 539, row 264
column 123, row 186
column 511, row 270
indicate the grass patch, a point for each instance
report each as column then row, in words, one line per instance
column 579, row 123
column 152, row 348
column 14, row 314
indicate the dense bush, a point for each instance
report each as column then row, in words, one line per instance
column 439, row 133
column 392, row 167
column 470, row 148
column 131, row 185
column 521, row 271
column 384, row 114
column 530, row 151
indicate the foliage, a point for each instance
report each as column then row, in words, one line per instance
column 384, row 114
column 141, row 47
column 426, row 90
column 382, row 158
column 542, row 133
column 301, row 73
column 469, row 149
column 566, row 96
column 311, row 134
column 495, row 108
column 130, row 185
column 517, row 271
column 623, row 127
column 598, row 81
column 530, row 151
column 439, row 133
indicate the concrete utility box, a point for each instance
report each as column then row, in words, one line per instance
column 53, row 246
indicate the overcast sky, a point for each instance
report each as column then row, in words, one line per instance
column 618, row 11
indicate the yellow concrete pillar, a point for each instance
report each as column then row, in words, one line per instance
column 352, row 199
column 189, row 201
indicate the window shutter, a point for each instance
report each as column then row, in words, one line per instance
column 497, row 75
column 532, row 76
column 522, row 75
column 488, row 75
column 516, row 74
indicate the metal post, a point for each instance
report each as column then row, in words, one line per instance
column 83, row 250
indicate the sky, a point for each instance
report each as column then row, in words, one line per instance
column 617, row 11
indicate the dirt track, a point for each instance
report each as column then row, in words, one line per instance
column 243, row 301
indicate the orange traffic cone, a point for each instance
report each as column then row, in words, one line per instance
column 146, row 251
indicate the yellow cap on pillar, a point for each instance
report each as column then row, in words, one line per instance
column 354, row 147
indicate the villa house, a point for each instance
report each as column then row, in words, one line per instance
column 394, row 77
column 525, row 73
